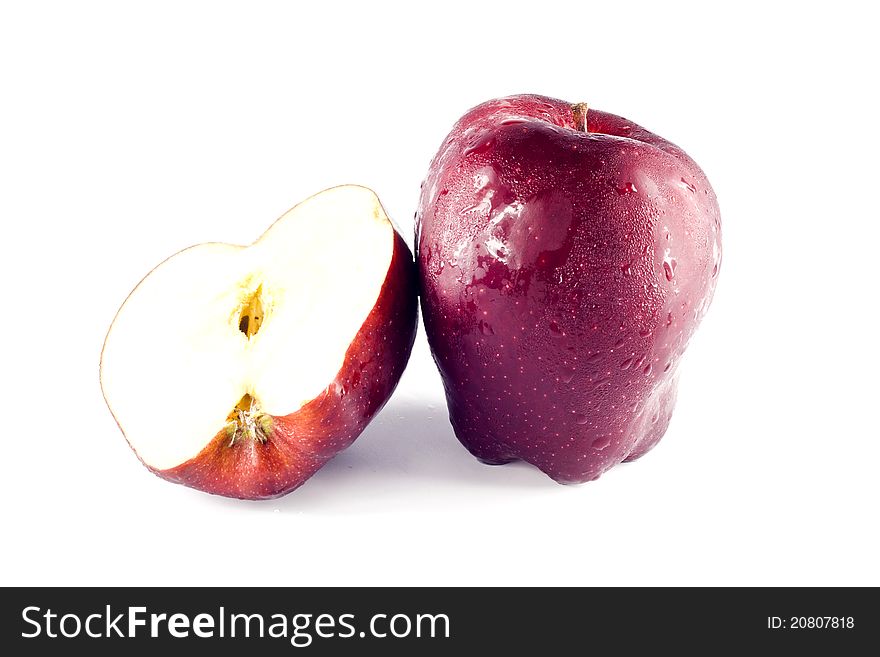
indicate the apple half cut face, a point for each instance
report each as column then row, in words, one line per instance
column 241, row 370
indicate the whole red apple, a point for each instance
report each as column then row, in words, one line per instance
column 240, row 371
column 566, row 256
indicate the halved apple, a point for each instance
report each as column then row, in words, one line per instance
column 240, row 371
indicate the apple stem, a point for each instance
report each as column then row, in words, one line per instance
column 579, row 113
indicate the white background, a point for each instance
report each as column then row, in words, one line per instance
column 131, row 132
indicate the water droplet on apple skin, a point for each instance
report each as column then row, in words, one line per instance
column 669, row 265
column 480, row 144
column 601, row 443
column 600, row 384
column 624, row 188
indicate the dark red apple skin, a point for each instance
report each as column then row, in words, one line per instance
column 298, row 445
column 562, row 274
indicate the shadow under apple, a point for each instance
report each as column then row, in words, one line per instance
column 408, row 448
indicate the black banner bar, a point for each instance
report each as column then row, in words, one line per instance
column 430, row 621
